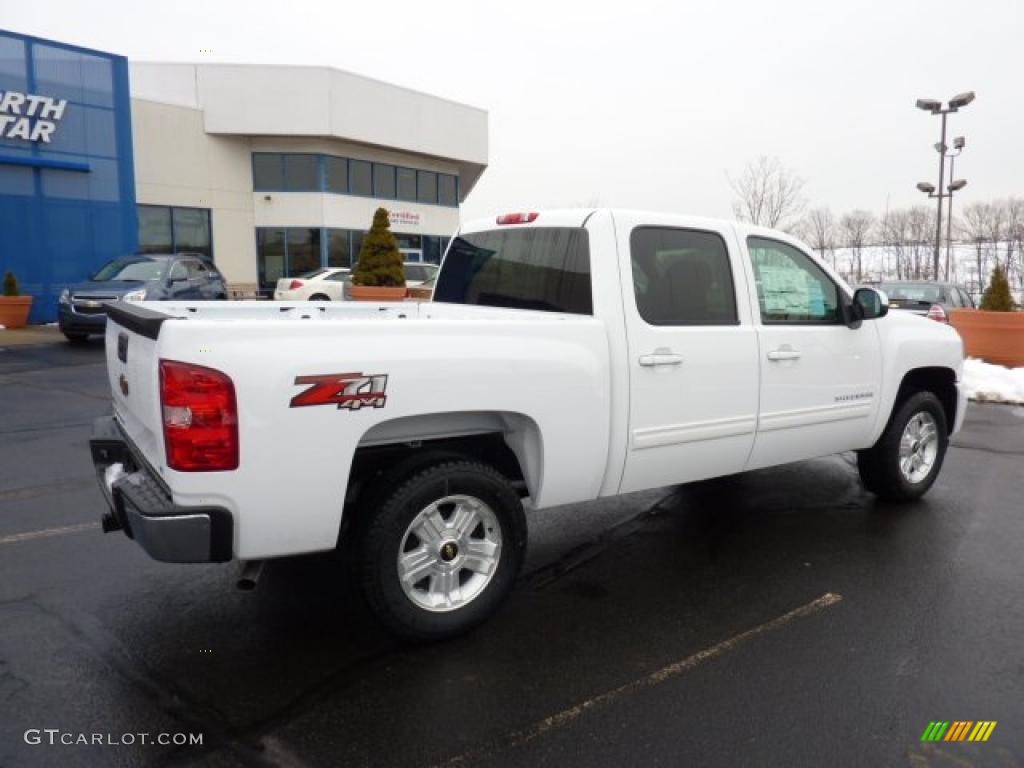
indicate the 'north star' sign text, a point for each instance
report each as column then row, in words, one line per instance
column 28, row 116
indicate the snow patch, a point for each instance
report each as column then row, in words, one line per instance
column 993, row 383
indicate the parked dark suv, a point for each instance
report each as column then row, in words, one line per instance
column 149, row 277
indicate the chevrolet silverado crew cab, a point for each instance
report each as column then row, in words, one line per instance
column 565, row 356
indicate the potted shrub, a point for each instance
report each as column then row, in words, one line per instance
column 14, row 307
column 994, row 333
column 379, row 274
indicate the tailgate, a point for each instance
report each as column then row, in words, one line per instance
column 132, row 370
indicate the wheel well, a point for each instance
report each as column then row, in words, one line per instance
column 939, row 381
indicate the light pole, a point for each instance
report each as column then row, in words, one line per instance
column 958, row 145
column 935, row 107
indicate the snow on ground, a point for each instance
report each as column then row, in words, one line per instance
column 993, row 383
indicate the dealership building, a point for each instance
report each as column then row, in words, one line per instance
column 269, row 170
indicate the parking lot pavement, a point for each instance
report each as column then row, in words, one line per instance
column 778, row 618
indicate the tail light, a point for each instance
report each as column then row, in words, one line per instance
column 517, row 218
column 936, row 312
column 200, row 418
column 295, row 284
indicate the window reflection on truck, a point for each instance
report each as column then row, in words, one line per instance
column 351, row 391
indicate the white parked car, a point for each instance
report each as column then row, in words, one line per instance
column 566, row 356
column 326, row 284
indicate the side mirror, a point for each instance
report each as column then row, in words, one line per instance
column 873, row 303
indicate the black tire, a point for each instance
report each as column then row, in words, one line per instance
column 383, row 534
column 76, row 338
column 879, row 466
column 319, row 297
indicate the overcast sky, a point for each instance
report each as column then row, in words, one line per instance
column 642, row 103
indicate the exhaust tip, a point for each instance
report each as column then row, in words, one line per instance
column 250, row 575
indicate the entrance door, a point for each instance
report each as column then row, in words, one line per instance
column 819, row 378
column 692, row 353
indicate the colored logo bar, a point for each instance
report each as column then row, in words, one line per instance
column 958, row 730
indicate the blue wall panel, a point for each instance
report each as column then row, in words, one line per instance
column 66, row 206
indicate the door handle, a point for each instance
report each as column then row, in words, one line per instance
column 785, row 352
column 661, row 358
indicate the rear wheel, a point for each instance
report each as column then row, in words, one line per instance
column 907, row 458
column 442, row 550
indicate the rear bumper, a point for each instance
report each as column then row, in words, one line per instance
column 141, row 505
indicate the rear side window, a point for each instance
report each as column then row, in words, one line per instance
column 682, row 277
column 541, row 268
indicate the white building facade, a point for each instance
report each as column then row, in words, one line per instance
column 277, row 170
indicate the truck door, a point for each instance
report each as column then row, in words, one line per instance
column 692, row 352
column 819, row 378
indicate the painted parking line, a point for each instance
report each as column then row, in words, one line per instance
column 47, row 532
column 675, row 669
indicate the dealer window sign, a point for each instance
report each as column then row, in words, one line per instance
column 29, row 116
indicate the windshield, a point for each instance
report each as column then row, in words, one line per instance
column 140, row 268
column 310, row 275
column 929, row 292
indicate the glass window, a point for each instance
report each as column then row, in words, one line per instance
column 338, row 252
column 135, row 268
column 360, row 178
column 336, row 174
column 432, row 249
column 426, row 187
column 270, row 255
column 303, row 249
column 192, row 230
column 415, row 272
column 407, row 184
column 410, row 242
column 541, row 268
column 447, row 190
column 178, row 272
column 196, row 271
column 301, row 173
column 682, row 277
column 791, row 288
column 384, row 180
column 357, row 244
column 340, row 277
column 267, row 172
column 155, row 229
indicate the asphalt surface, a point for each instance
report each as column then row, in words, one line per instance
column 778, row 618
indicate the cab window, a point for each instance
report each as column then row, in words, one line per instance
column 791, row 287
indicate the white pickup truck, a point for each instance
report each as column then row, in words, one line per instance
column 566, row 356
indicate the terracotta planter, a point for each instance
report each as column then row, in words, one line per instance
column 377, row 293
column 995, row 337
column 14, row 311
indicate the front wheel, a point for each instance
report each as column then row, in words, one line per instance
column 442, row 550
column 908, row 456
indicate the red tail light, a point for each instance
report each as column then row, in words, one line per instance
column 517, row 218
column 200, row 418
column 295, row 284
column 936, row 312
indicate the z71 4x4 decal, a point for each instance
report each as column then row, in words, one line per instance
column 346, row 390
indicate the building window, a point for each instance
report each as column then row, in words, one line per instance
column 298, row 172
column 163, row 229
column 301, row 173
column 447, row 190
column 339, row 250
column 407, row 184
column 336, row 174
column 267, row 172
column 360, row 178
column 432, row 249
column 384, row 181
column 286, row 253
column 426, row 187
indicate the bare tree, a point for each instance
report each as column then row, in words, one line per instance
column 921, row 242
column 819, row 229
column 768, row 194
column 895, row 232
column 1015, row 239
column 857, row 226
column 975, row 229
